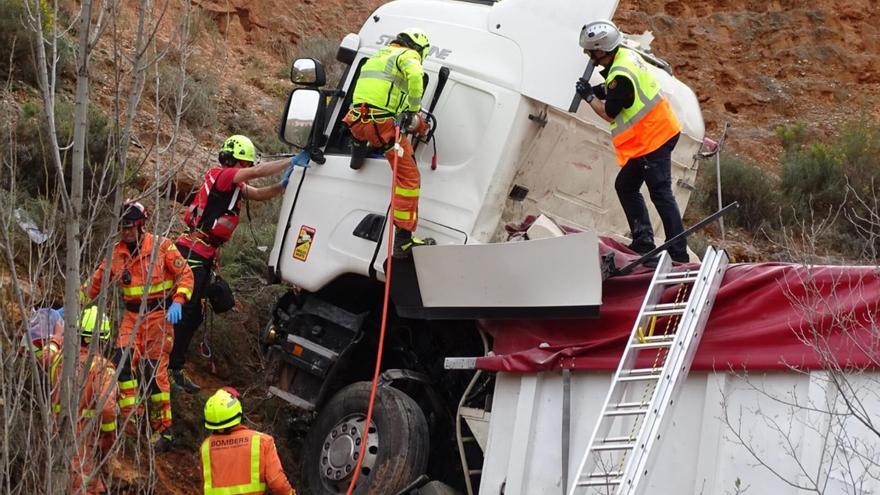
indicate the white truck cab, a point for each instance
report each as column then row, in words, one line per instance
column 499, row 79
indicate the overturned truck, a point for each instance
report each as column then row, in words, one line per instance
column 498, row 78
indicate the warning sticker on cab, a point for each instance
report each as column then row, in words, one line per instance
column 303, row 243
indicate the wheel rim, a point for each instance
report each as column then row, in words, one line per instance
column 340, row 450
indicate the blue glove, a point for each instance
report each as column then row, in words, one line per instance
column 174, row 313
column 301, row 159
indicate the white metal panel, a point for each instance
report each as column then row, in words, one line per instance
column 699, row 453
column 559, row 271
column 547, row 32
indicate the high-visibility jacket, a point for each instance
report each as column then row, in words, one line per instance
column 650, row 121
column 391, row 80
column 170, row 275
column 98, row 400
column 242, row 462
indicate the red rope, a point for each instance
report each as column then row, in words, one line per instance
column 363, row 449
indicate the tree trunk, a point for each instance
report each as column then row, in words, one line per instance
column 69, row 384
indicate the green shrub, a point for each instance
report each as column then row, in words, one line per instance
column 35, row 171
column 200, row 88
column 742, row 181
column 17, row 39
column 836, row 180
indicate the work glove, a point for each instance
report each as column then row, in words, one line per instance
column 300, row 160
column 583, row 88
column 174, row 313
column 409, row 121
column 600, row 91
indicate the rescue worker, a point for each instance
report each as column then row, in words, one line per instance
column 644, row 131
column 146, row 334
column 98, row 400
column 390, row 89
column 236, row 459
column 211, row 219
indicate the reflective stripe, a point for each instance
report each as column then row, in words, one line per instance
column 255, row 485
column 107, row 427
column 621, row 126
column 139, row 289
column 414, row 101
column 396, row 80
column 402, row 215
column 128, row 401
column 162, row 396
column 88, row 413
column 186, row 292
column 407, row 193
column 127, row 385
column 53, row 369
column 56, row 408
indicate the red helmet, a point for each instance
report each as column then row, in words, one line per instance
column 133, row 214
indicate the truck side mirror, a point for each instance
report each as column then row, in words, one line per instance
column 307, row 72
column 302, row 111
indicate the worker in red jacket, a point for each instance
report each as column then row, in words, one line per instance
column 236, row 459
column 154, row 288
column 211, row 219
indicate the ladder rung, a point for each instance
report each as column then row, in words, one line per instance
column 609, row 474
column 664, row 312
column 654, row 344
column 615, row 446
column 619, row 439
column 676, row 280
column 627, row 412
column 598, row 483
column 644, row 374
column 675, row 305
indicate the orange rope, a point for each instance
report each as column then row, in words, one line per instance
column 363, row 450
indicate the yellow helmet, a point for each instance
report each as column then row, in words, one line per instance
column 417, row 40
column 223, row 410
column 237, row 147
column 88, row 322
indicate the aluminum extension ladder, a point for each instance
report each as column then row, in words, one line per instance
column 617, row 457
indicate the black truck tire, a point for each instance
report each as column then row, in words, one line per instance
column 397, row 445
column 437, row 488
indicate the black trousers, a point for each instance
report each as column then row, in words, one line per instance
column 193, row 310
column 654, row 170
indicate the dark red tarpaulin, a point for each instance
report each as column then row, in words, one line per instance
column 766, row 316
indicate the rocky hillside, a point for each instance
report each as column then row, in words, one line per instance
column 761, row 63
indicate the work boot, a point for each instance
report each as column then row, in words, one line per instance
column 164, row 442
column 680, row 258
column 180, row 381
column 404, row 241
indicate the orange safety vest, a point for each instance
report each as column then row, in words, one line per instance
column 242, row 462
column 650, row 121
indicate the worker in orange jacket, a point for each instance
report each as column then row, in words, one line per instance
column 97, row 404
column 154, row 290
column 236, row 459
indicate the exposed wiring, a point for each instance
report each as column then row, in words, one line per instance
column 374, row 387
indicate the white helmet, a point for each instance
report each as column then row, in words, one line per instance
column 600, row 35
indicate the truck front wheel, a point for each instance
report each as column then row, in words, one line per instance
column 397, row 443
